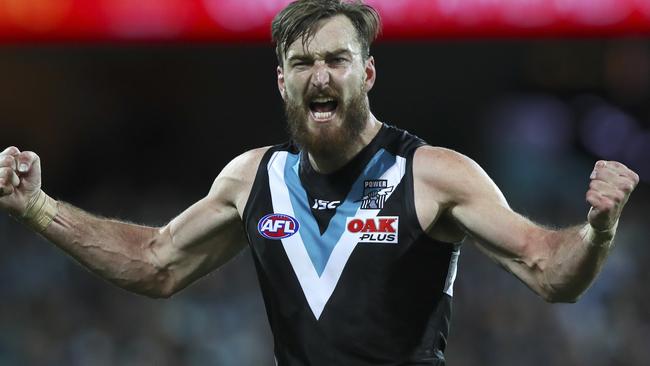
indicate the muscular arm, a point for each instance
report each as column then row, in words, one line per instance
column 559, row 265
column 158, row 262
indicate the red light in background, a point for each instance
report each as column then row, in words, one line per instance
column 147, row 18
column 594, row 12
column 244, row 15
column 35, row 15
column 644, row 6
column 249, row 20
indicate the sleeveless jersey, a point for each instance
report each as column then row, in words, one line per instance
column 347, row 274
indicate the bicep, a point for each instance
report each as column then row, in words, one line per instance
column 482, row 210
column 206, row 235
column 511, row 240
column 472, row 200
column 501, row 232
column 200, row 239
column 211, row 231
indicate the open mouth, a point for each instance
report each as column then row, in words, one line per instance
column 323, row 108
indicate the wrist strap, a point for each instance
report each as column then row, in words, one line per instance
column 40, row 211
column 601, row 238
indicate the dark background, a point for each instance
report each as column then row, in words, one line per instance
column 139, row 132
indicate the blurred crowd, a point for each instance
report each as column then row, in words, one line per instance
column 139, row 133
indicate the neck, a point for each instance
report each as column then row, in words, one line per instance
column 328, row 163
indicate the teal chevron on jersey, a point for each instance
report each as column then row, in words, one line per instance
column 319, row 247
column 318, row 260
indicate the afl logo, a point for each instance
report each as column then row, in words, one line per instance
column 277, row 226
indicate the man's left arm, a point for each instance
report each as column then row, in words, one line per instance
column 559, row 265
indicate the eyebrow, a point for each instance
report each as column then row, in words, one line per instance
column 329, row 54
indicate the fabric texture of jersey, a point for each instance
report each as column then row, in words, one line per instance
column 347, row 274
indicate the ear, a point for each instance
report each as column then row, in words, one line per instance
column 371, row 73
column 281, row 88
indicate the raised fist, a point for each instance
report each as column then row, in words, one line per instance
column 20, row 179
column 610, row 187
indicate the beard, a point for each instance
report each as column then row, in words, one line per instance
column 327, row 139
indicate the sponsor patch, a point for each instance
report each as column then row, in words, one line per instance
column 374, row 194
column 277, row 226
column 325, row 205
column 380, row 229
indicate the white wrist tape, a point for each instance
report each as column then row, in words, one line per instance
column 40, row 211
column 601, row 237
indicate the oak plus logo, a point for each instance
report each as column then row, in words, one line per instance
column 380, row 229
column 374, row 194
column 277, row 226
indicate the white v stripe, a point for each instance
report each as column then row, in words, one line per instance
column 317, row 289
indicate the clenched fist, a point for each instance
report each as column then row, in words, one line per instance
column 610, row 187
column 20, row 179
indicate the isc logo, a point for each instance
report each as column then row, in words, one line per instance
column 380, row 229
column 325, row 205
column 277, row 226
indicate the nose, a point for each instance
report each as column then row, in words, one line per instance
column 321, row 77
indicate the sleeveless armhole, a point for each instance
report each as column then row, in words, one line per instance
column 261, row 179
column 410, row 187
column 410, row 204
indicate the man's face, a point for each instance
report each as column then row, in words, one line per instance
column 325, row 85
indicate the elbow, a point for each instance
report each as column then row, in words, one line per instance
column 156, row 295
column 551, row 283
column 555, row 278
column 159, row 285
column 165, row 293
column 160, row 282
column 549, row 286
column 164, row 285
column 560, row 297
column 553, row 292
column 556, row 286
column 145, row 270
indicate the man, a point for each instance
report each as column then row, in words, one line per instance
column 354, row 226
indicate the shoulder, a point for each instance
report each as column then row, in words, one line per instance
column 399, row 141
column 244, row 163
column 451, row 174
column 442, row 156
column 236, row 179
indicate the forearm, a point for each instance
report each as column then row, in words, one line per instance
column 150, row 261
column 122, row 253
column 576, row 256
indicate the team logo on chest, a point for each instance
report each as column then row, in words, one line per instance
column 374, row 194
column 277, row 226
column 379, row 229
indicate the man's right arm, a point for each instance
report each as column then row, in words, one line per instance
column 156, row 262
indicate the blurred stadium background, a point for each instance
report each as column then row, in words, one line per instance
column 134, row 107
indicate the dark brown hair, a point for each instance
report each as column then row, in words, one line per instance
column 300, row 20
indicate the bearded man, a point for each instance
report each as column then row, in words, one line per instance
column 355, row 225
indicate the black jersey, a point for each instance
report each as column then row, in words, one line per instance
column 347, row 274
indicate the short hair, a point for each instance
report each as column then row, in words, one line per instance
column 300, row 20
